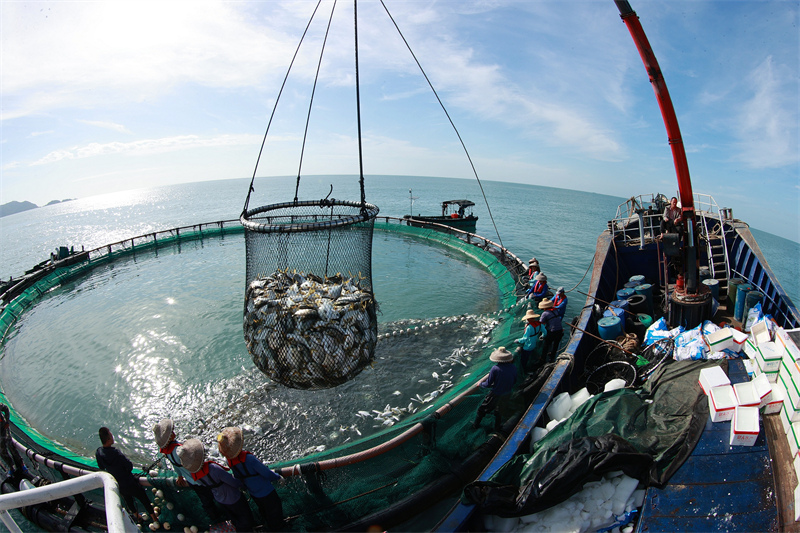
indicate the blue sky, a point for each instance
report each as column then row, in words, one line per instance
column 108, row 96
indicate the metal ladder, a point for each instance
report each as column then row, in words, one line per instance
column 717, row 249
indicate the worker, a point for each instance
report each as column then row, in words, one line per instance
column 224, row 487
column 530, row 338
column 500, row 381
column 167, row 443
column 552, row 323
column 672, row 217
column 8, row 451
column 115, row 463
column 533, row 268
column 538, row 288
column 257, row 477
column 560, row 302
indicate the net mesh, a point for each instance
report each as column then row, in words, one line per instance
column 405, row 475
column 310, row 315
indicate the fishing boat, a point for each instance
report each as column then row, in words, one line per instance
column 697, row 273
column 455, row 214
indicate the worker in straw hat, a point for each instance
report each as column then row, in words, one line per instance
column 224, row 487
column 538, row 288
column 257, row 477
column 500, row 381
column 530, row 338
column 164, row 433
column 552, row 323
column 533, row 268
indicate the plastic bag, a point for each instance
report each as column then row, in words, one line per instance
column 695, row 350
column 656, row 331
column 754, row 315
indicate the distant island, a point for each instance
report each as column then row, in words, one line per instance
column 18, row 207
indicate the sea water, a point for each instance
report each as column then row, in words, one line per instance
column 161, row 335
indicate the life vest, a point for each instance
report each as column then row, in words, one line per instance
column 239, row 468
column 201, row 476
column 537, row 287
column 168, row 452
column 558, row 299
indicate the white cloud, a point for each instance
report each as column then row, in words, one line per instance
column 106, row 125
column 147, row 147
column 767, row 124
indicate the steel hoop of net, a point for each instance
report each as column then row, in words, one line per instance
column 310, row 316
column 596, row 380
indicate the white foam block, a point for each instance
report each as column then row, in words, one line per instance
column 713, row 377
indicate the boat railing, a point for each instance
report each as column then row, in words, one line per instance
column 115, row 518
column 639, row 216
column 514, row 264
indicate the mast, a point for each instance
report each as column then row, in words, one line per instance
column 689, row 266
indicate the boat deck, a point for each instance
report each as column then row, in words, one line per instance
column 728, row 488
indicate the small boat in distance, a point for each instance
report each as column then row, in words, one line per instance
column 455, row 213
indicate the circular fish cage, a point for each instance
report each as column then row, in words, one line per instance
column 310, row 313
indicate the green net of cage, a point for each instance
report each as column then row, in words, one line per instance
column 310, row 314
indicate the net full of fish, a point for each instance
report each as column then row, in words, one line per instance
column 308, row 332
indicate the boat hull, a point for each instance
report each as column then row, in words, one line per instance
column 464, row 224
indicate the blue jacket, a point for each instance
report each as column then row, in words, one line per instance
column 551, row 321
column 531, row 337
column 560, row 305
column 256, row 475
column 501, row 378
column 224, row 486
column 538, row 289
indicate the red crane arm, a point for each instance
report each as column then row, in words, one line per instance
column 664, row 103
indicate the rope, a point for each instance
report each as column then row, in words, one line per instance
column 311, row 101
column 275, row 107
column 583, row 278
column 358, row 110
column 614, row 344
column 441, row 104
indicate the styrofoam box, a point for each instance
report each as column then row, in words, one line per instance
column 760, row 332
column 745, row 427
column 739, row 338
column 721, row 402
column 793, row 436
column 797, row 503
column 746, row 394
column 763, row 388
column 797, row 464
column 772, row 375
column 776, row 399
column 750, row 348
column 791, row 402
column 713, row 377
column 720, row 339
column 788, row 344
column 785, row 422
column 770, row 354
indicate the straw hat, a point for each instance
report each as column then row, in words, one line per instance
column 531, row 314
column 230, row 442
column 163, row 431
column 192, row 454
column 501, row 355
column 533, row 261
column 546, row 304
column 560, row 290
column 541, row 277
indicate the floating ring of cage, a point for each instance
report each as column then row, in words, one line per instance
column 310, row 316
column 597, row 378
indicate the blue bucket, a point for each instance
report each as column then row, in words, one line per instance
column 638, row 279
column 617, row 312
column 624, row 294
column 712, row 284
column 646, row 290
column 704, row 274
column 622, row 304
column 741, row 297
column 733, row 284
column 631, row 285
column 610, row 327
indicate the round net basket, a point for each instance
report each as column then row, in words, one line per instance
column 310, row 314
column 597, row 378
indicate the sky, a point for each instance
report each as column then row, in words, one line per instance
column 100, row 97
